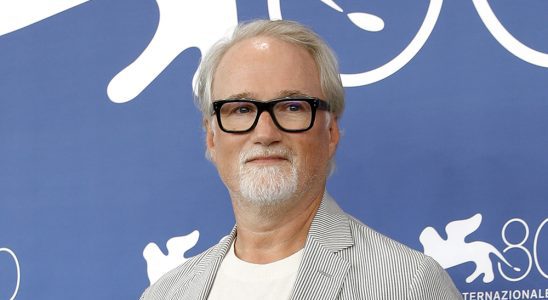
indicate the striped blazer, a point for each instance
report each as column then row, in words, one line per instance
column 342, row 259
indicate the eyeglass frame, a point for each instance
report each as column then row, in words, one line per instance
column 315, row 104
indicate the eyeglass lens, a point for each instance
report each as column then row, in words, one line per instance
column 289, row 114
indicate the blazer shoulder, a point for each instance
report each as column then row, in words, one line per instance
column 371, row 241
column 393, row 268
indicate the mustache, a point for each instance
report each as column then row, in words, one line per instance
column 259, row 152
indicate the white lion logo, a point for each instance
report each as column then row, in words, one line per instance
column 455, row 251
column 12, row 254
column 158, row 264
column 183, row 24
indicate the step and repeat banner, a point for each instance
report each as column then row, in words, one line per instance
column 103, row 182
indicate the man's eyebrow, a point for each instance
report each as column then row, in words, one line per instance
column 243, row 95
column 292, row 93
column 281, row 94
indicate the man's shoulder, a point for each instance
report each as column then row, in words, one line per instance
column 375, row 248
column 378, row 244
column 359, row 243
column 178, row 279
column 391, row 266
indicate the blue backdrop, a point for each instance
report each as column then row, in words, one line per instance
column 102, row 151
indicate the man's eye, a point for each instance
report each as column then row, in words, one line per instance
column 293, row 107
column 242, row 109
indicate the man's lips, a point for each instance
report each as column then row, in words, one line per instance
column 266, row 159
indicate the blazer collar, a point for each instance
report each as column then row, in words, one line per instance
column 331, row 227
column 322, row 270
column 320, row 266
column 206, row 270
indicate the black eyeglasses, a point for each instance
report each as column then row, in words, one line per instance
column 290, row 114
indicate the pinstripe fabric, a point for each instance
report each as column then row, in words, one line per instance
column 343, row 259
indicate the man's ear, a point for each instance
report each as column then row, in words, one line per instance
column 210, row 144
column 334, row 135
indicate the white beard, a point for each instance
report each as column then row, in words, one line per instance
column 267, row 185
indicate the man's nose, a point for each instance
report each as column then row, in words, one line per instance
column 266, row 132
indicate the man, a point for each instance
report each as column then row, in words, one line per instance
column 271, row 97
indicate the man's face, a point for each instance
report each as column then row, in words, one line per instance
column 267, row 163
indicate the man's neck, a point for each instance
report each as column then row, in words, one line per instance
column 267, row 235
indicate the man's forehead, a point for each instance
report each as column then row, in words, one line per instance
column 265, row 68
column 262, row 43
column 281, row 94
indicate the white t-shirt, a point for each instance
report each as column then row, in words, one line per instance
column 237, row 279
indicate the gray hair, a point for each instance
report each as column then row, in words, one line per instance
column 288, row 31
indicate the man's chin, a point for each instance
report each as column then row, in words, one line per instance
column 267, row 184
column 265, row 189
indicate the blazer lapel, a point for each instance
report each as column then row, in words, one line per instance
column 205, row 275
column 322, row 270
column 321, row 274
